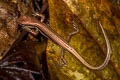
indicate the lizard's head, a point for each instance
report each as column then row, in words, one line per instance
column 24, row 20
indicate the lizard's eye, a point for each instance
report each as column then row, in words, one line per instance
column 21, row 20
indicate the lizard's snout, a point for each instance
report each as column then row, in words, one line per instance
column 22, row 20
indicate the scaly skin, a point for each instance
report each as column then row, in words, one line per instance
column 26, row 20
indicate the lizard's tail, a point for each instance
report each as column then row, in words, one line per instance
column 73, row 51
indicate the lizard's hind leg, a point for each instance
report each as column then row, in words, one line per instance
column 64, row 63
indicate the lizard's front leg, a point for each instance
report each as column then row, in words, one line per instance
column 29, row 28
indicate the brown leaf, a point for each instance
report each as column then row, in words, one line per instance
column 21, row 63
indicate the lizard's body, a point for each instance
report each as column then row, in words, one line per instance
column 26, row 20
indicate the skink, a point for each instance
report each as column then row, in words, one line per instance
column 26, row 20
